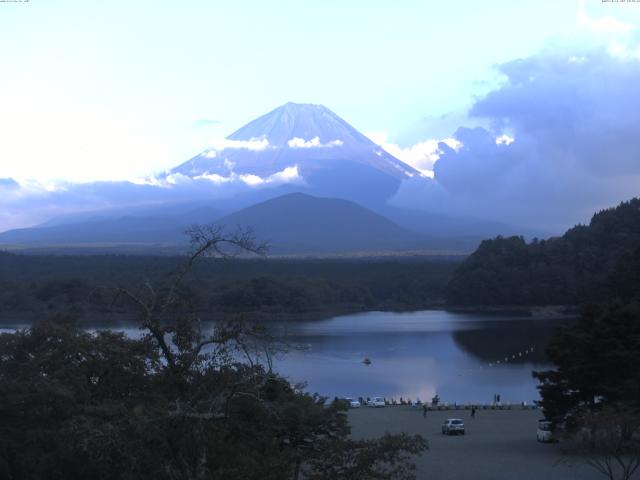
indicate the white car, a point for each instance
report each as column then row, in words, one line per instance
column 453, row 426
column 544, row 433
column 352, row 403
column 376, row 402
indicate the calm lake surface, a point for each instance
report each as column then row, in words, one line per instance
column 460, row 356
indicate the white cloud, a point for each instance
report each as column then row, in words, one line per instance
column 72, row 144
column 601, row 24
column 287, row 175
column 379, row 138
column 624, row 50
column 29, row 202
column 505, row 139
column 297, row 142
column 421, row 156
column 31, row 188
column 618, row 37
column 177, row 179
column 252, row 180
column 214, row 177
column 219, row 144
column 577, row 59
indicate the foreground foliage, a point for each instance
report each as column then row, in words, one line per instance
column 80, row 405
column 609, row 441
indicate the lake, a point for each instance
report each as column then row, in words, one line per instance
column 462, row 357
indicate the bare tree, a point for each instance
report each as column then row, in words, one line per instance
column 181, row 403
column 177, row 332
column 609, row 441
column 159, row 304
column 216, row 385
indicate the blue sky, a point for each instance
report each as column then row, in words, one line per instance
column 116, row 89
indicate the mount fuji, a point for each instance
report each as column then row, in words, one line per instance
column 308, row 146
column 299, row 175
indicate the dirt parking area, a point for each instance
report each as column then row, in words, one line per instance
column 498, row 444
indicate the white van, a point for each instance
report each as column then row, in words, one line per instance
column 376, row 402
column 544, row 433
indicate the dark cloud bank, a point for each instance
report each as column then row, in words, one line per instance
column 575, row 120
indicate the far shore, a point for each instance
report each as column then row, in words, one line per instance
column 547, row 312
column 531, row 311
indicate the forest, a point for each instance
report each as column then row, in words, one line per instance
column 589, row 263
column 592, row 395
column 33, row 285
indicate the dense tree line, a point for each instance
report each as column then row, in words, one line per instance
column 598, row 362
column 598, row 357
column 593, row 394
column 579, row 267
column 42, row 284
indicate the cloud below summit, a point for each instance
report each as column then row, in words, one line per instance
column 296, row 142
column 421, row 156
column 219, row 144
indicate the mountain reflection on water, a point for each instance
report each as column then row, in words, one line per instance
column 412, row 354
column 419, row 354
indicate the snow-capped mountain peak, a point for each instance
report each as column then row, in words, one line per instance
column 329, row 156
column 301, row 134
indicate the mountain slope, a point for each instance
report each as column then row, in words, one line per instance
column 293, row 223
column 462, row 234
column 129, row 229
column 302, row 223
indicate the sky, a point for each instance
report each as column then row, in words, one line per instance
column 117, row 90
column 95, row 90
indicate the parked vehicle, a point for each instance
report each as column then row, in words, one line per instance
column 376, row 402
column 453, row 426
column 544, row 433
column 352, row 402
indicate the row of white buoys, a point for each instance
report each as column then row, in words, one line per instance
column 497, row 363
column 514, row 356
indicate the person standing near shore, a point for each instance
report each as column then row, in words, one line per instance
column 424, row 410
column 473, row 411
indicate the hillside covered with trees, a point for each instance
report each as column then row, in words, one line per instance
column 582, row 266
column 592, row 396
